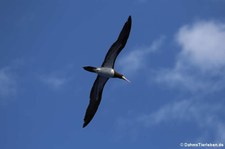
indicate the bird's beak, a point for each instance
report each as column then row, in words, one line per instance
column 124, row 78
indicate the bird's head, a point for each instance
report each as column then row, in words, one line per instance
column 120, row 76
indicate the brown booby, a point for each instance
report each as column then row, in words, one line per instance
column 105, row 72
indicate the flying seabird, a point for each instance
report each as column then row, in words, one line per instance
column 105, row 72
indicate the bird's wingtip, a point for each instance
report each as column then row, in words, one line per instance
column 129, row 18
column 84, row 125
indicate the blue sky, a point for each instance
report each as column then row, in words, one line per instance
column 175, row 58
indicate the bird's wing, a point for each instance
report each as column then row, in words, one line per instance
column 118, row 45
column 95, row 98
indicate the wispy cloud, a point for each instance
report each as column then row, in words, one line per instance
column 185, row 110
column 7, row 83
column 204, row 115
column 58, row 78
column 200, row 64
column 53, row 81
column 137, row 59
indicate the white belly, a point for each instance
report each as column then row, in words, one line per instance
column 105, row 72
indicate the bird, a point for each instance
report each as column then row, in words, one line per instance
column 106, row 71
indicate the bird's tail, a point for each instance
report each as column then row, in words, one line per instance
column 90, row 68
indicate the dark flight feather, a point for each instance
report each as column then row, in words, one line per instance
column 117, row 46
column 95, row 98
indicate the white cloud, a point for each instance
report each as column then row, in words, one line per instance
column 168, row 112
column 185, row 110
column 203, row 44
column 136, row 59
column 200, row 65
column 206, row 117
column 188, row 78
column 7, row 83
